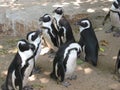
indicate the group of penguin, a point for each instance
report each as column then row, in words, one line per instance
column 59, row 37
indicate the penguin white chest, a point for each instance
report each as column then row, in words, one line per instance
column 71, row 63
column 115, row 19
column 28, row 71
column 48, row 40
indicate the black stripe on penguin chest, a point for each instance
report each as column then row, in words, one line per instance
column 54, row 38
column 116, row 12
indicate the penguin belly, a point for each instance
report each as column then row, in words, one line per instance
column 49, row 41
column 115, row 19
column 38, row 53
column 71, row 64
column 28, row 72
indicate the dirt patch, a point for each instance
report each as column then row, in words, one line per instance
column 88, row 77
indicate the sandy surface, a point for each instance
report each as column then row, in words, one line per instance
column 88, row 77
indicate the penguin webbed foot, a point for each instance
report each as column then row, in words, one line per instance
column 73, row 77
column 51, row 53
column 36, row 70
column 30, row 87
column 110, row 30
column 116, row 34
column 3, row 87
column 66, row 84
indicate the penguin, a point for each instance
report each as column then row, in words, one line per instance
column 34, row 37
column 62, row 25
column 64, row 63
column 88, row 40
column 114, row 15
column 20, row 68
column 50, row 33
column 117, row 65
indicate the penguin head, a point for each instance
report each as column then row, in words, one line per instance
column 34, row 37
column 77, row 48
column 23, row 46
column 46, row 20
column 58, row 12
column 84, row 24
column 116, row 5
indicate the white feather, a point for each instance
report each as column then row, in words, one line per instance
column 71, row 63
column 73, row 45
column 83, row 28
column 13, row 79
column 48, row 40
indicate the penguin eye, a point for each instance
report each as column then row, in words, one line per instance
column 34, row 37
column 84, row 24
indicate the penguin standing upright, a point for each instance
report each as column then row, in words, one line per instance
column 117, row 65
column 64, row 63
column 50, row 33
column 20, row 68
column 34, row 38
column 114, row 15
column 62, row 25
column 88, row 40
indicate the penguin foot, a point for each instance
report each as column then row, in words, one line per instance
column 117, row 34
column 109, row 31
column 73, row 77
column 66, row 84
column 28, row 87
column 3, row 87
column 36, row 70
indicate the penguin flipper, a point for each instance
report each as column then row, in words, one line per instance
column 106, row 17
column 117, row 65
column 61, row 71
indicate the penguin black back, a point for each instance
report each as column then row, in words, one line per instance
column 89, row 40
column 117, row 66
column 14, row 77
column 63, row 25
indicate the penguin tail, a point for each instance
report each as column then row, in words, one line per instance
column 53, row 76
column 117, row 65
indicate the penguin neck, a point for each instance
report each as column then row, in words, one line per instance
column 57, row 17
column 25, row 55
column 114, row 9
column 47, row 24
column 83, row 28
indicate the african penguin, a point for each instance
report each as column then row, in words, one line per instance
column 50, row 33
column 62, row 25
column 34, row 37
column 88, row 40
column 20, row 69
column 114, row 15
column 64, row 63
column 117, row 65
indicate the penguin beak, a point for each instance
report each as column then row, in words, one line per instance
column 41, row 19
column 32, row 46
column 77, row 23
column 39, row 32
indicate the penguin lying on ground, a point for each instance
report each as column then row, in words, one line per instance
column 88, row 40
column 50, row 33
column 34, row 38
column 21, row 67
column 114, row 15
column 62, row 25
column 117, row 65
column 65, row 62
